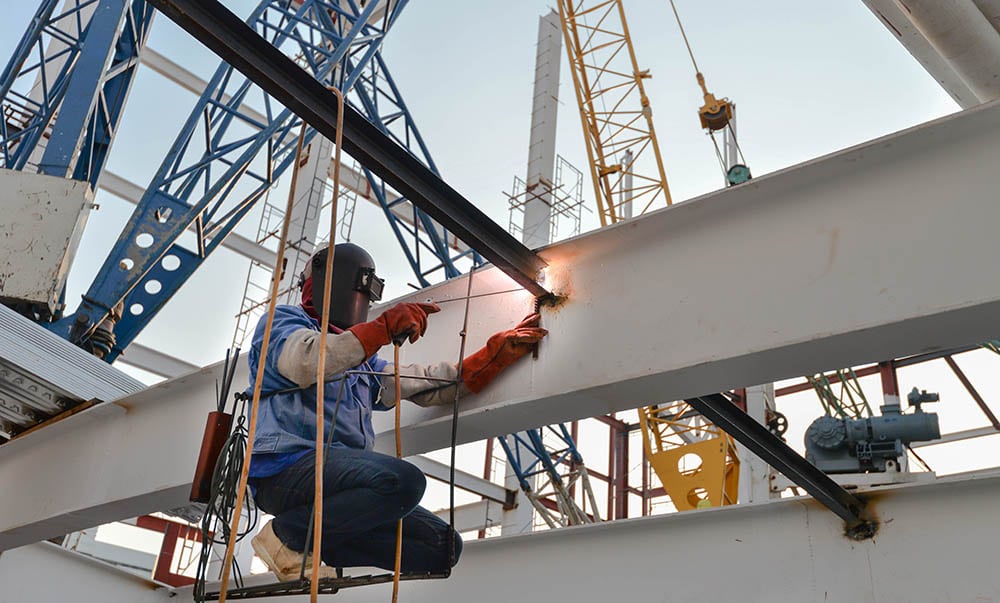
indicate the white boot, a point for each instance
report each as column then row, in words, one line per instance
column 283, row 561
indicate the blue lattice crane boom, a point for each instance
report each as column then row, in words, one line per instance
column 64, row 89
column 218, row 149
column 224, row 160
column 529, row 458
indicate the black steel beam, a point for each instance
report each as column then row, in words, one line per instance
column 239, row 45
column 769, row 447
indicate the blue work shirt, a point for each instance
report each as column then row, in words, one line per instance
column 286, row 420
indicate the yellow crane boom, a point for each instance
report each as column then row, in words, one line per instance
column 623, row 153
column 696, row 462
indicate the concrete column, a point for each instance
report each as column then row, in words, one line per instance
column 310, row 193
column 755, row 474
column 625, row 211
column 537, row 225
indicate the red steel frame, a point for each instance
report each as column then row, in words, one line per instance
column 172, row 531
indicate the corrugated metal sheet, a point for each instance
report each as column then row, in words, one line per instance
column 42, row 375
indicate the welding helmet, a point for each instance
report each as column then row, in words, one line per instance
column 354, row 284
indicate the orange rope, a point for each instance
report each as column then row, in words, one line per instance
column 321, row 364
column 259, row 379
column 399, row 455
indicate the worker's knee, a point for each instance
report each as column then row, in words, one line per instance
column 458, row 549
column 412, row 484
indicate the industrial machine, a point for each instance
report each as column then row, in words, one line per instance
column 871, row 444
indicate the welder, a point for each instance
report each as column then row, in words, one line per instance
column 365, row 493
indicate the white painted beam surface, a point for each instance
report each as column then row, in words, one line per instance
column 463, row 480
column 474, row 516
column 874, row 252
column 155, row 361
column 898, row 24
column 936, row 543
column 817, row 564
column 112, row 461
column 48, row 573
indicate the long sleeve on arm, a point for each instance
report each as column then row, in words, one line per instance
column 300, row 355
column 418, row 389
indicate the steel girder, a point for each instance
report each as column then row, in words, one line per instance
column 758, row 439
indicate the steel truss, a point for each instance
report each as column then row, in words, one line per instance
column 530, row 458
column 223, row 32
column 224, row 160
column 64, row 89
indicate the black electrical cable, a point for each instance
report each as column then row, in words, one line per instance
column 225, row 482
column 454, row 428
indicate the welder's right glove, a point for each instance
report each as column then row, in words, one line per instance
column 502, row 350
column 403, row 319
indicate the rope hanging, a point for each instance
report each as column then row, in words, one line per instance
column 265, row 343
column 316, row 519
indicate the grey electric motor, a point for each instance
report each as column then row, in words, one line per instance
column 863, row 445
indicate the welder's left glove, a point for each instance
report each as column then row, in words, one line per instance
column 502, row 350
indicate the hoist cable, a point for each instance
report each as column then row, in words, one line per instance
column 684, row 35
column 454, row 424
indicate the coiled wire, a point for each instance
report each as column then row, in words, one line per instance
column 215, row 528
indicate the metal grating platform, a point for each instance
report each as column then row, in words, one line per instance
column 43, row 375
column 327, row 586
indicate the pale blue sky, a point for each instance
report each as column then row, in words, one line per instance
column 809, row 78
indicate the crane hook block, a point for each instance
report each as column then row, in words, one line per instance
column 715, row 113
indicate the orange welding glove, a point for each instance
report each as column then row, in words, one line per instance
column 402, row 320
column 502, row 350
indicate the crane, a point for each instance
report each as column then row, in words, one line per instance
column 223, row 160
column 696, row 462
column 615, row 112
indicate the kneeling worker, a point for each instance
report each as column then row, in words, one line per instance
column 364, row 493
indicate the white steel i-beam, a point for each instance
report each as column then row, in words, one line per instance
column 937, row 543
column 957, row 42
column 539, row 185
column 154, row 361
column 632, row 559
column 874, row 252
column 310, row 190
column 966, row 36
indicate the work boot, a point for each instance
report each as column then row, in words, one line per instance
column 283, row 561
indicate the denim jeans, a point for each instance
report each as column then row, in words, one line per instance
column 364, row 495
